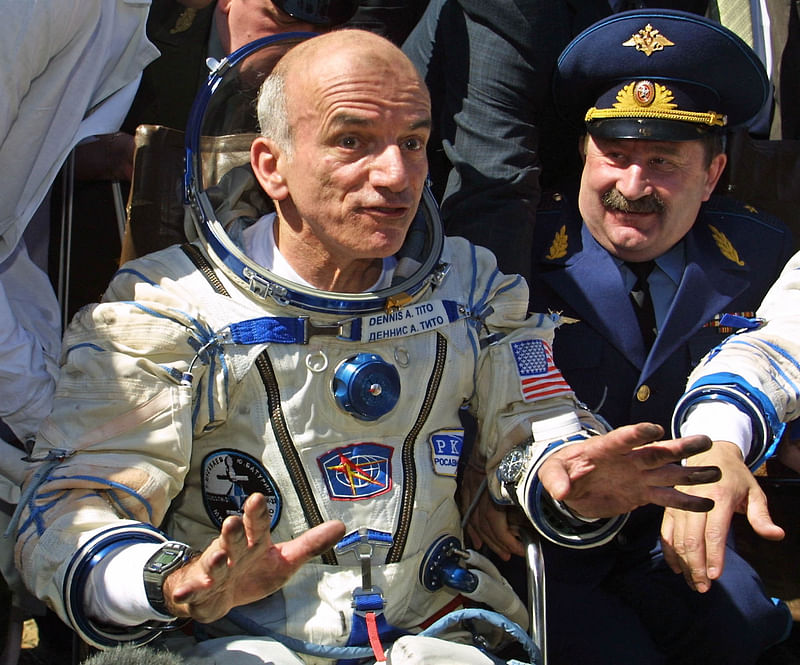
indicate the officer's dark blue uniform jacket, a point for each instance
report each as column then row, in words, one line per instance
column 625, row 584
column 601, row 356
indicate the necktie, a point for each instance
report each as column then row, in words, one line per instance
column 735, row 15
column 642, row 302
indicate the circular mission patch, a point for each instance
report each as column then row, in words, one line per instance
column 229, row 477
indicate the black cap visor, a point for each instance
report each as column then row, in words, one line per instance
column 651, row 129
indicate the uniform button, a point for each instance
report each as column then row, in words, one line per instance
column 643, row 394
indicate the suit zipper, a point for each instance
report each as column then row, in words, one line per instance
column 407, row 457
column 288, row 451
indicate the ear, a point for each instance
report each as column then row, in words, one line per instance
column 224, row 6
column 582, row 141
column 714, row 172
column 265, row 158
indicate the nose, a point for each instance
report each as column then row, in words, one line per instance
column 389, row 169
column 633, row 183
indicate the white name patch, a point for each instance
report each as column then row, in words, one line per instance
column 409, row 320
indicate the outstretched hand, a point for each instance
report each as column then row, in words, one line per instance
column 694, row 544
column 242, row 564
column 614, row 473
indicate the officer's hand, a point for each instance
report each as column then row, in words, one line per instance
column 694, row 543
column 495, row 526
column 243, row 565
column 619, row 471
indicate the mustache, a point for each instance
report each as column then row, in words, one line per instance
column 614, row 200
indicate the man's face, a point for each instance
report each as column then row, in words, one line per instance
column 639, row 198
column 357, row 167
column 244, row 21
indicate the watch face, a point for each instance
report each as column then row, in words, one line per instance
column 511, row 466
column 168, row 557
column 165, row 557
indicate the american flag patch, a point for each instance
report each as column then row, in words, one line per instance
column 539, row 378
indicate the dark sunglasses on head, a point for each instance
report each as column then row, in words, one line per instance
column 319, row 12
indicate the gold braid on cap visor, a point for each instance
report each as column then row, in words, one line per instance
column 644, row 99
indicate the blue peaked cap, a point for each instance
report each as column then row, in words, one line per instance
column 659, row 74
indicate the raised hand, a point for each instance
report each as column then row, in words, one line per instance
column 614, row 473
column 242, row 564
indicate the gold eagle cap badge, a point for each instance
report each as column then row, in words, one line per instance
column 639, row 94
column 725, row 246
column 558, row 248
column 648, row 40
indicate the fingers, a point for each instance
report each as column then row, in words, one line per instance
column 676, row 474
column 311, row 543
column 716, row 535
column 239, row 535
column 689, row 544
column 667, row 529
column 196, row 579
column 243, row 564
column 250, row 535
column 230, row 572
column 694, row 543
column 555, row 478
column 491, row 521
column 614, row 473
column 674, row 450
column 476, row 540
column 623, row 439
column 479, row 523
column 672, row 498
column 256, row 519
column 233, row 538
column 759, row 518
column 686, row 446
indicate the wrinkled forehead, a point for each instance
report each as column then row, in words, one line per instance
column 352, row 94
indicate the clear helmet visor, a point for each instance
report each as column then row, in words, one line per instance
column 224, row 196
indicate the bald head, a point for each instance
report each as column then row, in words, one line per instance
column 353, row 48
column 345, row 119
column 333, row 63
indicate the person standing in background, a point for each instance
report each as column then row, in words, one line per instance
column 497, row 140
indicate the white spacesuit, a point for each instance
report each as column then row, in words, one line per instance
column 746, row 390
column 204, row 377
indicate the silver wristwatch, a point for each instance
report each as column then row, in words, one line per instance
column 512, row 466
